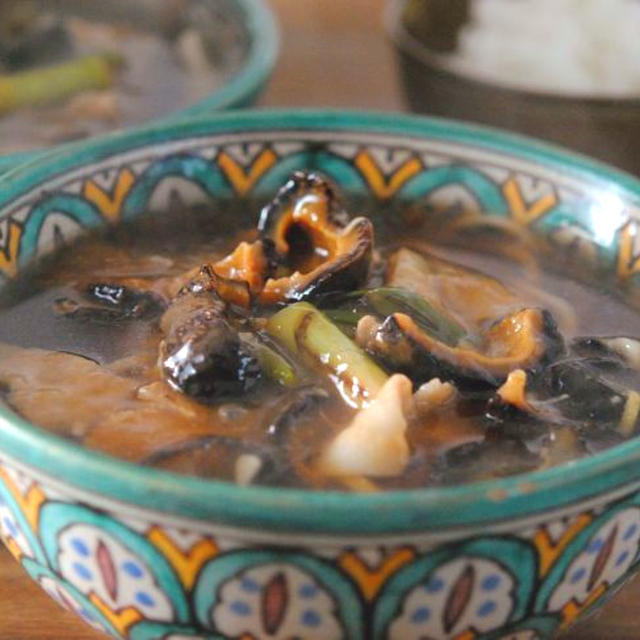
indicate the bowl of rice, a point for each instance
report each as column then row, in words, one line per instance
column 562, row 70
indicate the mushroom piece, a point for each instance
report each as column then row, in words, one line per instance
column 108, row 302
column 513, row 412
column 296, row 407
column 624, row 349
column 375, row 442
column 570, row 400
column 307, row 248
column 244, row 272
column 584, row 394
column 523, row 340
column 319, row 251
column 202, row 354
column 464, row 294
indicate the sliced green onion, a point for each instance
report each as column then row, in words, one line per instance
column 272, row 363
column 320, row 345
column 385, row 301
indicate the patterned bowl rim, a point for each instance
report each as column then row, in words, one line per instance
column 611, row 472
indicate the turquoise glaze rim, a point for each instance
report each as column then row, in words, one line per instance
column 254, row 508
column 239, row 90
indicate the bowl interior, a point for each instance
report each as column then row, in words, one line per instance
column 581, row 208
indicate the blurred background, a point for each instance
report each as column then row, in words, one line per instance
column 567, row 71
column 335, row 54
column 562, row 70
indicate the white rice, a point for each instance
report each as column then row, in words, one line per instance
column 588, row 47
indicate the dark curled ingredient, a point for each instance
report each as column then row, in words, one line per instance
column 623, row 349
column 318, row 250
column 527, row 339
column 490, row 458
column 581, row 393
column 300, row 405
column 506, row 421
column 607, row 365
column 202, row 354
column 105, row 302
column 297, row 186
column 589, row 347
column 236, row 292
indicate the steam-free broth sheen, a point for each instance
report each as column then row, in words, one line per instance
column 311, row 349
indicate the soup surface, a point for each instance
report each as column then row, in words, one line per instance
column 313, row 350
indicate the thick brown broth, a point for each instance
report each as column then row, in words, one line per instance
column 93, row 377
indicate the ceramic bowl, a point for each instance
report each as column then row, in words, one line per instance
column 604, row 128
column 145, row 554
column 252, row 35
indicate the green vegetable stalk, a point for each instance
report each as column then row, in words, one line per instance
column 385, row 301
column 306, row 332
column 49, row 84
column 272, row 363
